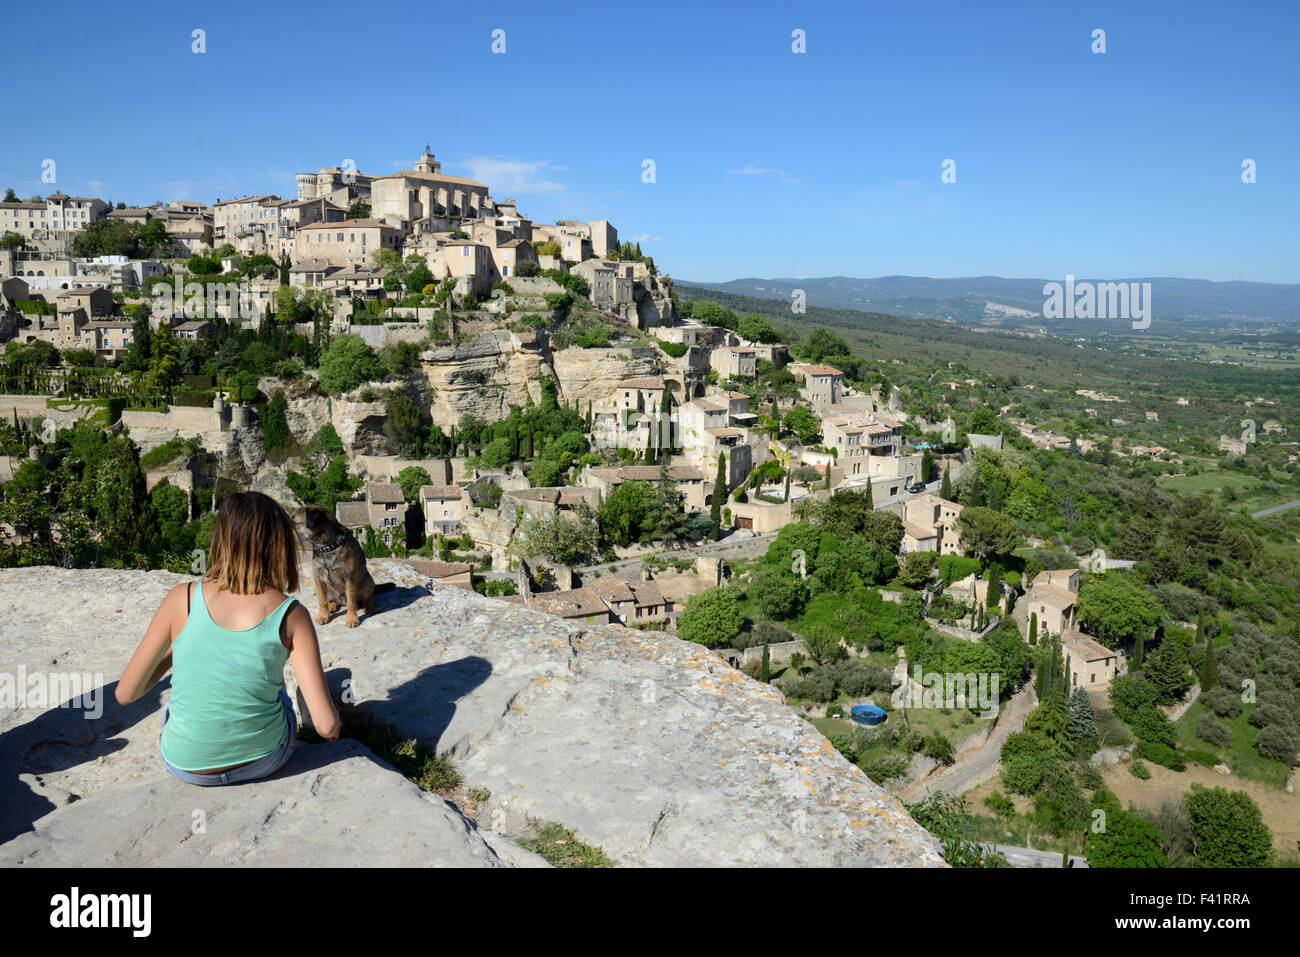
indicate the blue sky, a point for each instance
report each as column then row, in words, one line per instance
column 768, row 163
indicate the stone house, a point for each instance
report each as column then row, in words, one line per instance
column 1052, row 596
column 1089, row 664
column 820, row 384
column 444, row 507
column 734, row 362
column 341, row 244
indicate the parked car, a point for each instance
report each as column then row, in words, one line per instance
column 916, row 487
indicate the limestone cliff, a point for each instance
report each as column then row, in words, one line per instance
column 645, row 745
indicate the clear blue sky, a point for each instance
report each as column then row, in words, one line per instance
column 768, row 163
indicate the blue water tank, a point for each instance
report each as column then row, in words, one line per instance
column 867, row 714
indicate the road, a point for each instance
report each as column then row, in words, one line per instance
column 1275, row 508
column 1030, row 857
column 981, row 764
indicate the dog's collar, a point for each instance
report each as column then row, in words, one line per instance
column 330, row 548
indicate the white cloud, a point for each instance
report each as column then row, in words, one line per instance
column 755, row 170
column 507, row 177
column 643, row 238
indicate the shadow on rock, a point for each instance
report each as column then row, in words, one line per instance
column 421, row 708
column 59, row 739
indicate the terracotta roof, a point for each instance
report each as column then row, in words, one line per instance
column 817, row 369
column 1053, row 595
column 920, row 532
column 1085, row 646
column 650, row 473
column 648, row 594
column 353, row 223
column 576, row 603
column 649, row 382
column 611, row 588
column 434, row 178
column 245, row 199
column 1048, row 575
column 440, row 491
column 352, row 514
column 384, row 492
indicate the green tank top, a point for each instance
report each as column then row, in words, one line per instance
column 224, row 706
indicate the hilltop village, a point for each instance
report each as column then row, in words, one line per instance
column 471, row 314
column 531, row 411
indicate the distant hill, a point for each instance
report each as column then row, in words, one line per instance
column 1019, row 302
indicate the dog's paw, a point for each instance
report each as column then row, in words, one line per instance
column 353, row 621
column 322, row 619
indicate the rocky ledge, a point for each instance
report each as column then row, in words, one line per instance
column 646, row 746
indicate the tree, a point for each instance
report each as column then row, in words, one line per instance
column 1083, row 723
column 778, row 593
column 1209, row 669
column 765, row 670
column 945, row 487
column 822, row 344
column 275, row 424
column 711, row 618
column 1167, row 670
column 1116, row 607
column 346, row 363
column 805, row 425
column 1228, row 829
column 154, row 238
column 719, row 496
column 1126, row 841
column 916, row 569
column 410, row 479
column 987, row 533
column 1033, row 628
column 163, row 371
column 403, row 426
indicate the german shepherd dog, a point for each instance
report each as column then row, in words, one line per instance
column 338, row 566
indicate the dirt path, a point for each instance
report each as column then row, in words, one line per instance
column 982, row 764
column 1281, row 811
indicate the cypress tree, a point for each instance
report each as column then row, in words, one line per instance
column 945, row 487
column 1137, row 654
column 765, row 671
column 1209, row 676
column 1033, row 627
column 787, row 485
column 719, row 493
column 828, row 475
column 514, row 443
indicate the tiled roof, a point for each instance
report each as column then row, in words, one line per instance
column 384, row 492
column 440, row 491
column 352, row 514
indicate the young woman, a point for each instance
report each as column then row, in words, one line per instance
column 226, row 638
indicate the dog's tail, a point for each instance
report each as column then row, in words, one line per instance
column 385, row 586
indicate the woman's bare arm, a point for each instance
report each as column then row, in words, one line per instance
column 304, row 655
column 153, row 656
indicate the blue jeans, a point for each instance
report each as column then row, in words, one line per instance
column 261, row 768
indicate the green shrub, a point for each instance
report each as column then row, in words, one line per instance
column 1139, row 771
column 1161, row 754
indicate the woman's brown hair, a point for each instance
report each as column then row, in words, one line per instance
column 254, row 545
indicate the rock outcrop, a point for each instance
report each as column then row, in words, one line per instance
column 646, row 746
